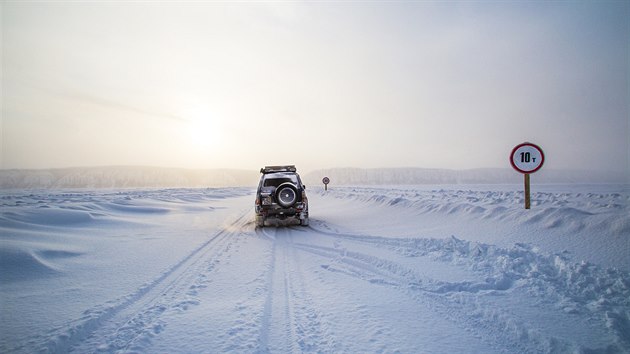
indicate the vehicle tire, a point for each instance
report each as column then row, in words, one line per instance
column 304, row 222
column 286, row 195
column 260, row 221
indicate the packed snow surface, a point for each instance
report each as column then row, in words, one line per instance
column 431, row 269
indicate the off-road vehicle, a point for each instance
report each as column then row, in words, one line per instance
column 281, row 196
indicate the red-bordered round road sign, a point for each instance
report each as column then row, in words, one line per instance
column 527, row 158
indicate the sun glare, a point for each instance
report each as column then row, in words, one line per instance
column 202, row 132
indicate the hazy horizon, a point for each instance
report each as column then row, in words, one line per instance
column 204, row 85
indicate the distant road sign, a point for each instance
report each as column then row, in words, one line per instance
column 527, row 158
column 325, row 180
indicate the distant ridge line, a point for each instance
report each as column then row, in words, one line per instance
column 165, row 177
column 125, row 177
column 412, row 176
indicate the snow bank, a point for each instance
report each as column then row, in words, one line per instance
column 590, row 221
column 35, row 225
column 573, row 211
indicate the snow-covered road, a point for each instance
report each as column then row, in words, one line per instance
column 410, row 270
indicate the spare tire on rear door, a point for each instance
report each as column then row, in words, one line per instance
column 286, row 194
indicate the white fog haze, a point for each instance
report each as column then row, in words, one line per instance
column 476, row 156
column 206, row 85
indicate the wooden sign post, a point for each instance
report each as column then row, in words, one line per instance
column 527, row 158
column 325, row 181
column 527, row 192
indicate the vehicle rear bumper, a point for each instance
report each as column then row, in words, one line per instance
column 279, row 212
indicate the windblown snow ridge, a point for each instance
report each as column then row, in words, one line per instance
column 575, row 288
column 573, row 212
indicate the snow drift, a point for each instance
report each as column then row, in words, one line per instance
column 396, row 269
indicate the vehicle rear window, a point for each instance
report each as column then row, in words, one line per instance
column 275, row 182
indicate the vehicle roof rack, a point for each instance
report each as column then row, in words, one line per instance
column 272, row 169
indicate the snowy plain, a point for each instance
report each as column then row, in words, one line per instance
column 409, row 269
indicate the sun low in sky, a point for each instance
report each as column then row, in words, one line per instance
column 318, row 84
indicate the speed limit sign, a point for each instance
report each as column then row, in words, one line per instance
column 527, row 158
column 325, row 181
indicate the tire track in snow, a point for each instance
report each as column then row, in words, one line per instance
column 311, row 334
column 536, row 279
column 248, row 330
column 381, row 272
column 457, row 302
column 376, row 332
column 278, row 333
column 290, row 323
column 288, row 312
column 263, row 339
column 133, row 321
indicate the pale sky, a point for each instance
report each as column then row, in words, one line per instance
column 317, row 84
